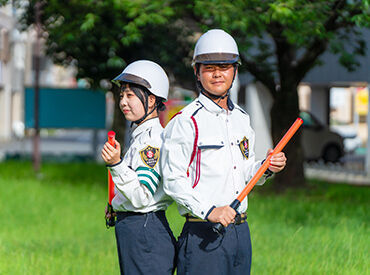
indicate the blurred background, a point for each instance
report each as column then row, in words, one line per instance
column 299, row 58
column 68, row 53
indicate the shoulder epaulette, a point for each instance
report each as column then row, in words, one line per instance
column 241, row 110
column 190, row 110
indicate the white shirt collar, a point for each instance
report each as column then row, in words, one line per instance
column 144, row 126
column 210, row 105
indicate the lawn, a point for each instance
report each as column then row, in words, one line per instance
column 54, row 224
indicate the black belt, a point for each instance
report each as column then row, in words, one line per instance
column 124, row 214
column 239, row 218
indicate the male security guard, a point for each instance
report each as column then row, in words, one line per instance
column 207, row 158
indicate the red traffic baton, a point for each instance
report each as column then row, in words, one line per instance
column 111, row 221
column 218, row 228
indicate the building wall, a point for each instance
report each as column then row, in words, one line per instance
column 341, row 105
column 304, row 96
column 17, row 71
column 6, row 25
column 258, row 104
column 320, row 103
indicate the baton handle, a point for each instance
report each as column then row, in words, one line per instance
column 218, row 228
column 112, row 141
column 111, row 221
column 111, row 137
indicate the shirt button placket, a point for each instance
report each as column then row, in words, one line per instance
column 234, row 171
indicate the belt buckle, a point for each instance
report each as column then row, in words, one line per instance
column 240, row 218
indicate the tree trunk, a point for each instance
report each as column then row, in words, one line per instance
column 284, row 112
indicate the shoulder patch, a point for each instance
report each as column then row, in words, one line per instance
column 150, row 156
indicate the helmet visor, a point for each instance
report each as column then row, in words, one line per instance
column 216, row 58
column 130, row 78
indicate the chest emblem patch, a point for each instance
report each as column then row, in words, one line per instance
column 150, row 156
column 244, row 147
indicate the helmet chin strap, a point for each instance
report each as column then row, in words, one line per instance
column 137, row 122
column 146, row 107
column 144, row 117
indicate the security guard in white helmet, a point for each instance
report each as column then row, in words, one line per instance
column 207, row 159
column 145, row 242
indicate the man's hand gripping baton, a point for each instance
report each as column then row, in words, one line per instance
column 109, row 222
column 218, row 228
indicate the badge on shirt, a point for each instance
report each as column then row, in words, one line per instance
column 150, row 156
column 244, row 147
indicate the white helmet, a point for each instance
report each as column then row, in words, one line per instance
column 216, row 47
column 148, row 74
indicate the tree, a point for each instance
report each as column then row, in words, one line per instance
column 101, row 37
column 279, row 42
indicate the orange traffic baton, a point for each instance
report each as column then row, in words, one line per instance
column 218, row 228
column 111, row 221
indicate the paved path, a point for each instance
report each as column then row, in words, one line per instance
column 77, row 144
column 336, row 173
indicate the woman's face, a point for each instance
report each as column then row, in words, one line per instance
column 130, row 105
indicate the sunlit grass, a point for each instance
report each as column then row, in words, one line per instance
column 324, row 230
column 54, row 224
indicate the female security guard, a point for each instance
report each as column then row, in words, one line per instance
column 144, row 240
column 207, row 158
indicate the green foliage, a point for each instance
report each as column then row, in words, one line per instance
column 101, row 37
column 53, row 224
column 94, row 32
column 279, row 41
column 299, row 24
column 275, row 37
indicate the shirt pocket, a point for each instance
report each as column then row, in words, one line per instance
column 210, row 143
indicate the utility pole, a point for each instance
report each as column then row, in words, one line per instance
column 36, row 140
column 367, row 160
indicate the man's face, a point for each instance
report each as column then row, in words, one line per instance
column 216, row 78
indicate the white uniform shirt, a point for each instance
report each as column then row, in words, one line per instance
column 222, row 167
column 137, row 179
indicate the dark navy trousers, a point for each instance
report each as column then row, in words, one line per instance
column 145, row 243
column 201, row 251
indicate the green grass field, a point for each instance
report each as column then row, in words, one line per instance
column 54, row 224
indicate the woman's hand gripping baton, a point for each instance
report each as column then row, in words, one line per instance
column 109, row 222
column 218, row 228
